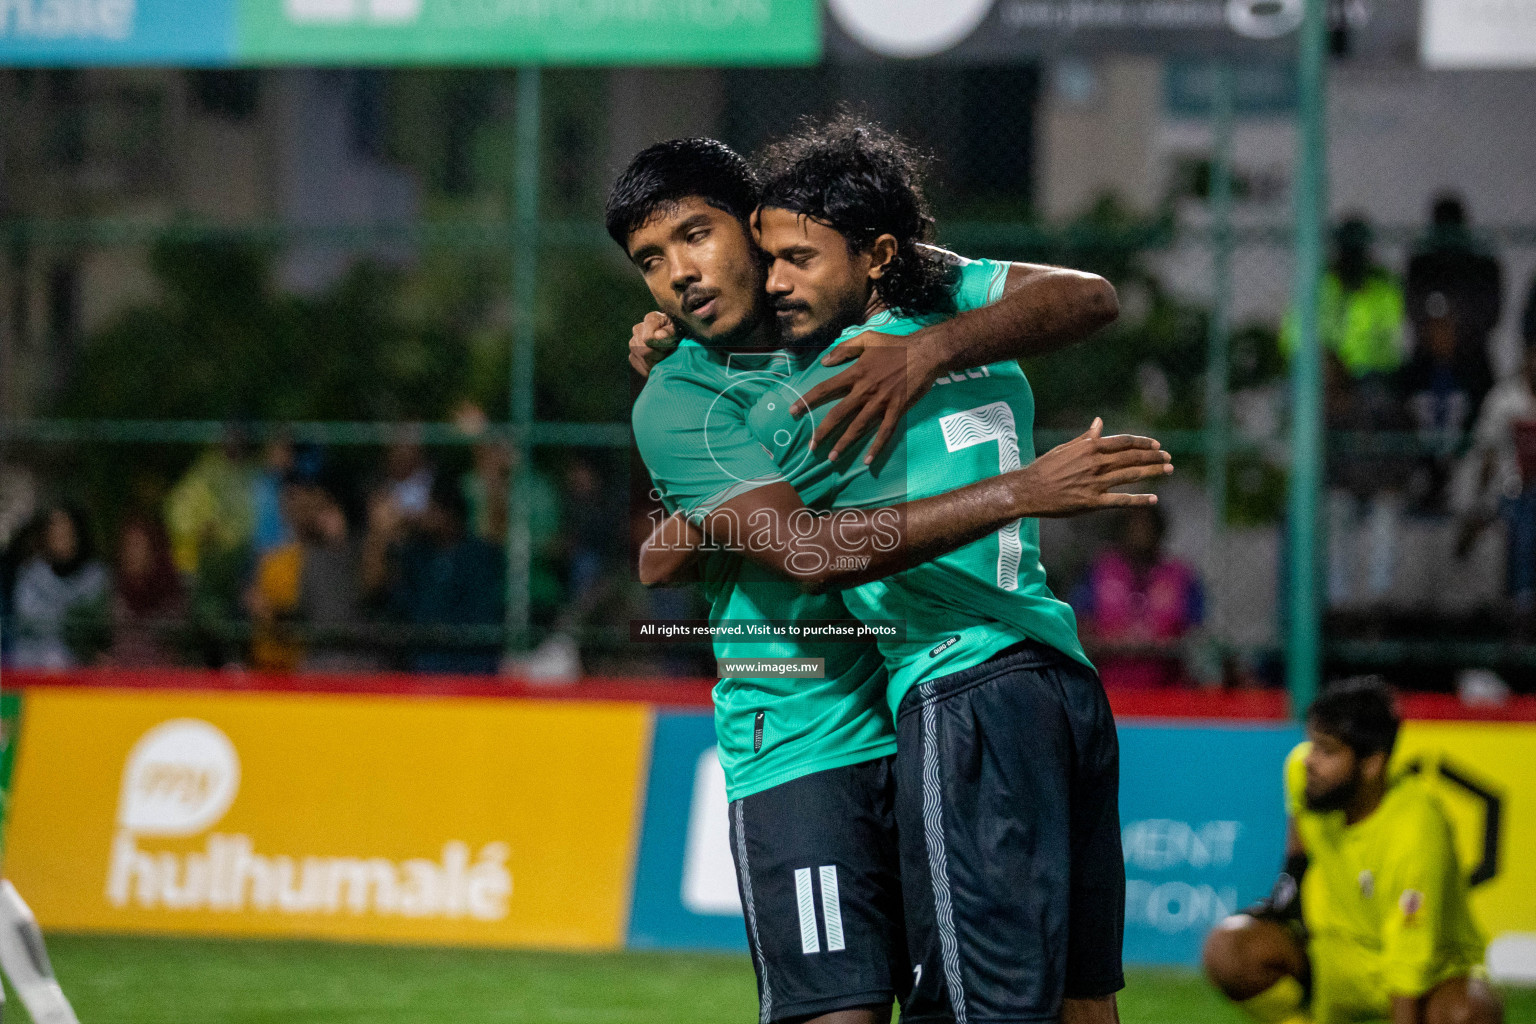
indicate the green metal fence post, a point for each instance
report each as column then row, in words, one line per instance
column 1303, row 642
column 525, row 283
column 1219, row 332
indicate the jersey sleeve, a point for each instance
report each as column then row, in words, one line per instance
column 697, row 447
column 980, row 283
column 1421, row 880
column 1296, row 780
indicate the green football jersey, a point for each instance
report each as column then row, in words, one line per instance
column 690, row 424
column 963, row 607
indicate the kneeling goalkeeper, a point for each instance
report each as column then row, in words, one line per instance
column 1370, row 919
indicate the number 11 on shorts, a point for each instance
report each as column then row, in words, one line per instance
column 831, row 910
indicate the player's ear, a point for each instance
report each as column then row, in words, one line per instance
column 880, row 255
column 1374, row 766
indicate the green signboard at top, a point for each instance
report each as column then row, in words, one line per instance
column 529, row 31
column 62, row 33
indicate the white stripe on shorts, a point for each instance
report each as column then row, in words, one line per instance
column 765, row 997
column 831, row 908
column 938, row 864
column 809, row 942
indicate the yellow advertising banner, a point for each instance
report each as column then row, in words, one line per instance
column 437, row 820
column 1485, row 775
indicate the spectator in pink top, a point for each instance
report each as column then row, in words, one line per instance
column 1136, row 604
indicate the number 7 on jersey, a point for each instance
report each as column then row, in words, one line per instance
column 983, row 425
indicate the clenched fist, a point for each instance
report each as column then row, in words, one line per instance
column 651, row 341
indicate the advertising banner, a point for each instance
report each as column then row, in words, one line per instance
column 1201, row 808
column 1202, row 819
column 1203, row 831
column 52, row 33
column 993, row 31
column 203, row 32
column 1485, row 776
column 1478, row 34
column 10, row 730
column 685, row 882
column 536, row 31
column 595, row 825
column 472, row 822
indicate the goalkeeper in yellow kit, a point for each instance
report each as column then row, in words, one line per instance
column 1370, row 919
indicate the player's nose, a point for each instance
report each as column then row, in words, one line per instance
column 683, row 272
column 778, row 282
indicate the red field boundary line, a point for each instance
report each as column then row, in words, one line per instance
column 1247, row 706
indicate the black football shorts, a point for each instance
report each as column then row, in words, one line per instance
column 1008, row 780
column 817, row 866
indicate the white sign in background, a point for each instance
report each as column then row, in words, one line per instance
column 709, row 872
column 1479, row 34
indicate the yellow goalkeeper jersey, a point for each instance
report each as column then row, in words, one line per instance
column 1384, row 900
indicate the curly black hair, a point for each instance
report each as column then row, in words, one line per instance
column 863, row 182
column 662, row 175
column 1359, row 712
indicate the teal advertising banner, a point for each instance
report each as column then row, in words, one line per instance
column 352, row 32
column 71, row 33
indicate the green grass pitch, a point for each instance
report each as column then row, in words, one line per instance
column 114, row 980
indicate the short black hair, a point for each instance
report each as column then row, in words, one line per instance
column 863, row 182
column 661, row 176
column 1360, row 712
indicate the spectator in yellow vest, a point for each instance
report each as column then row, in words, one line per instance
column 1361, row 313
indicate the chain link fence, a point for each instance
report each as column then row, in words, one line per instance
column 281, row 412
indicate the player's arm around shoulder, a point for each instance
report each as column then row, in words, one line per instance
column 1006, row 311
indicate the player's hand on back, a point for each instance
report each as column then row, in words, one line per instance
column 1077, row 476
column 651, row 341
column 888, row 376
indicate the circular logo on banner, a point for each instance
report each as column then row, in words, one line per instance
column 909, row 28
column 1265, row 19
column 180, row 778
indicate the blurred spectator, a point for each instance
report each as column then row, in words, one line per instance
column 18, row 535
column 487, row 488
column 331, row 594
column 595, row 539
column 1365, row 487
column 1498, row 478
column 1360, row 317
column 211, row 510
column 277, row 461
column 408, row 477
column 1442, row 392
column 147, row 599
column 437, row 575
column 61, row 594
column 18, row 500
column 1455, row 286
column 1361, row 325
column 595, row 530
column 273, row 596
column 1136, row 596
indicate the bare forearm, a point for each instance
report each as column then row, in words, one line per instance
column 1047, row 310
column 849, row 546
column 927, row 528
column 772, row 526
